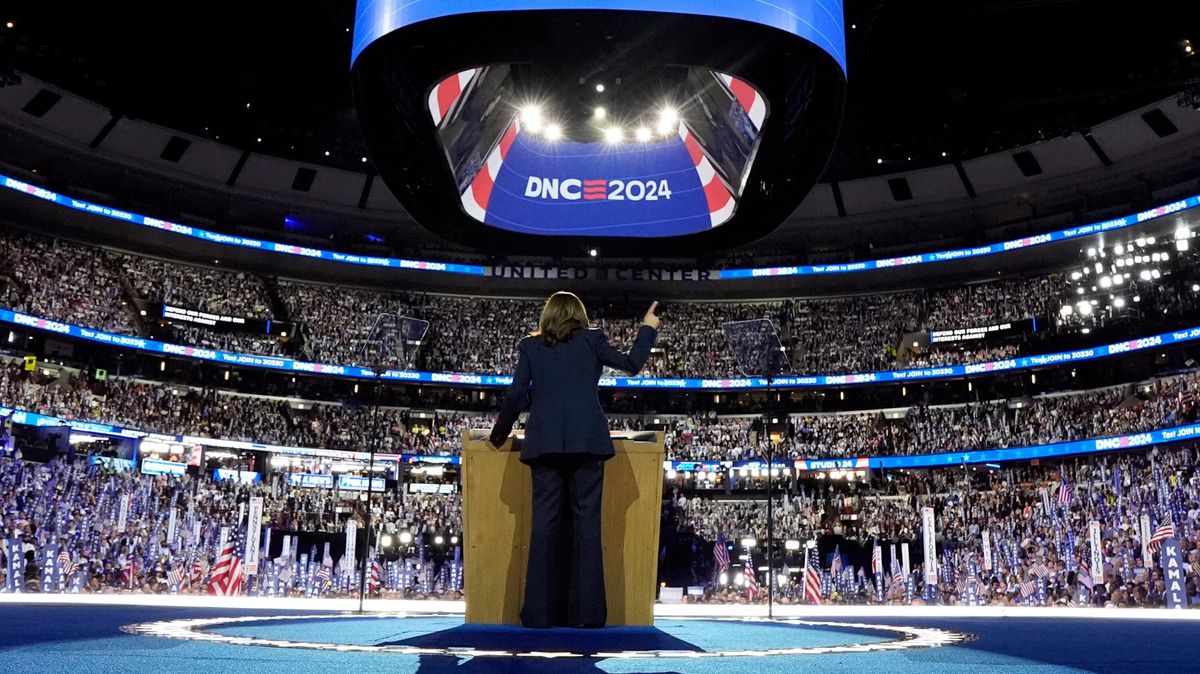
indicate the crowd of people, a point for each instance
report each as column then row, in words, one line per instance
column 1036, row 517
column 97, row 288
column 129, row 532
column 181, row 410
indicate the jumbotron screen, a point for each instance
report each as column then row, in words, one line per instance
column 585, row 119
column 524, row 164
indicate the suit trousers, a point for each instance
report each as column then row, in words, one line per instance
column 564, row 582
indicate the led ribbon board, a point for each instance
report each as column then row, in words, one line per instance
column 818, row 21
column 1080, row 231
column 1182, row 336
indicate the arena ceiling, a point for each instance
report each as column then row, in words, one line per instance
column 940, row 76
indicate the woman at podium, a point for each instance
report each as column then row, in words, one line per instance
column 566, row 444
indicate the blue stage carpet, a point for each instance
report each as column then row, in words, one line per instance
column 80, row 639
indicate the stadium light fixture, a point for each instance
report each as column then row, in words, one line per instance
column 600, row 112
column 553, row 132
column 438, row 540
column 386, row 540
column 613, row 135
column 405, row 537
column 599, row 88
column 593, row 252
column 642, row 134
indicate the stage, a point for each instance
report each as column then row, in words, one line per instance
column 116, row 633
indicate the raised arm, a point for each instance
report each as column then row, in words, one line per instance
column 516, row 400
column 635, row 360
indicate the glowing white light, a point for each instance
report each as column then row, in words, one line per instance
column 405, row 538
column 792, row 544
column 600, row 113
column 531, row 118
column 599, row 88
column 1085, row 308
column 1066, row 310
column 642, row 134
column 553, row 132
column 1119, row 302
column 613, row 135
column 1119, row 249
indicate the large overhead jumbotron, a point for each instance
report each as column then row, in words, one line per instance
column 551, row 126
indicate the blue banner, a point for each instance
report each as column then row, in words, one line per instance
column 356, row 483
column 160, row 467
column 1094, row 445
column 1174, row 576
column 14, row 553
column 818, row 21
column 310, row 480
column 452, row 378
column 230, row 474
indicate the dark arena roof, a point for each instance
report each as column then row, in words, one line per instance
column 892, row 313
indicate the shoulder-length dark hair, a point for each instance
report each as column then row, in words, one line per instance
column 562, row 315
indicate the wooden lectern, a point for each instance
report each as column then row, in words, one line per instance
column 496, row 515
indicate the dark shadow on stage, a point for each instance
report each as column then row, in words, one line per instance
column 587, row 642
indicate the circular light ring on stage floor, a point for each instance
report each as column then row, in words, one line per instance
column 197, row 629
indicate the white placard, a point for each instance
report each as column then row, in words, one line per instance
column 987, row 550
column 1097, row 551
column 253, row 534
column 928, row 536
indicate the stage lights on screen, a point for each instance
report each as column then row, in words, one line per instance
column 662, row 122
column 531, row 118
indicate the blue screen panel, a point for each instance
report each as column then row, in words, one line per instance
column 818, row 21
column 594, row 189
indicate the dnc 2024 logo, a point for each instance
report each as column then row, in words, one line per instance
column 596, row 189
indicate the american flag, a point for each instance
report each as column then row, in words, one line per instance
column 1084, row 577
column 751, row 582
column 835, row 567
column 812, row 584
column 721, row 553
column 376, row 576
column 1039, row 570
column 176, row 577
column 68, row 567
column 322, row 579
column 1163, row 532
column 876, row 560
column 897, row 577
column 199, row 570
column 128, row 572
column 227, row 573
column 1027, row 588
column 285, row 576
column 1064, row 492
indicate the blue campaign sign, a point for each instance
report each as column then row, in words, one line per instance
column 160, row 467
column 571, row 188
column 818, row 21
column 1171, row 560
column 310, row 480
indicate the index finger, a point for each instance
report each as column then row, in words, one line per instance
column 653, row 306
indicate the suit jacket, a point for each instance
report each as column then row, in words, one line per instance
column 558, row 384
